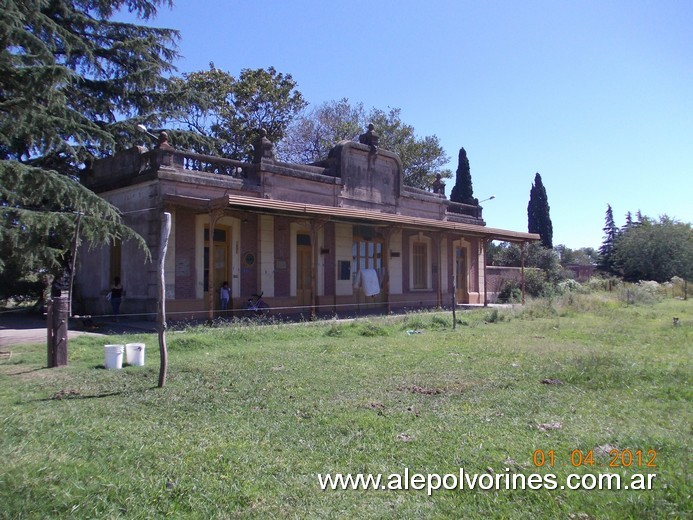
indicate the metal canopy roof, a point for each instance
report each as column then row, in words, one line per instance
column 360, row 215
column 353, row 214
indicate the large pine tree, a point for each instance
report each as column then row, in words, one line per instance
column 606, row 251
column 462, row 191
column 72, row 82
column 538, row 218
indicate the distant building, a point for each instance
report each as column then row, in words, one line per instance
column 580, row 272
column 340, row 235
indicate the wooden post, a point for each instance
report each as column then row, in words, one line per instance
column 57, row 336
column 163, row 352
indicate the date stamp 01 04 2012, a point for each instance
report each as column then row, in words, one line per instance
column 617, row 458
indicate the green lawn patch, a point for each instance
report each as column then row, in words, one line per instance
column 251, row 414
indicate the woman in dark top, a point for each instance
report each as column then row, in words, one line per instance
column 116, row 295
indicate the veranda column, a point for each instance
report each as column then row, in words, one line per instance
column 439, row 292
column 314, row 270
column 522, row 270
column 387, row 239
column 214, row 216
column 315, row 226
column 485, row 242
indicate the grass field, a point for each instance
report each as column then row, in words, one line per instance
column 252, row 414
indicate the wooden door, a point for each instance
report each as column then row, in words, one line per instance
column 461, row 273
column 304, row 273
column 220, row 259
column 368, row 254
column 221, row 267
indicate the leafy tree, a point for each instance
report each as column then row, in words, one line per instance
column 606, row 251
column 71, row 80
column 538, row 218
column 492, row 251
column 222, row 115
column 590, row 254
column 312, row 136
column 505, row 254
column 422, row 158
column 536, row 255
column 462, row 191
column 655, row 250
column 582, row 256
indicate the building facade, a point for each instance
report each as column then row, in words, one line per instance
column 341, row 235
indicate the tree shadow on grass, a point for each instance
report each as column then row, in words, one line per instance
column 64, row 395
column 29, row 371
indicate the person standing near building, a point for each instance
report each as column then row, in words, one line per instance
column 116, row 296
column 225, row 295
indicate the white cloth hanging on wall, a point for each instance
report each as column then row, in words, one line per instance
column 370, row 282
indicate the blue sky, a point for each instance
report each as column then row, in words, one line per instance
column 596, row 96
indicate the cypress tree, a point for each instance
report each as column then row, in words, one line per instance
column 462, row 190
column 538, row 218
column 72, row 85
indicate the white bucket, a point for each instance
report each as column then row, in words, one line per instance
column 134, row 352
column 113, row 356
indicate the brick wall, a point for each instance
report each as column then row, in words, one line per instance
column 185, row 254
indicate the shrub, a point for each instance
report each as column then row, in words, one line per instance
column 333, row 331
column 370, row 329
column 536, row 282
column 679, row 287
column 598, row 301
column 413, row 321
column 568, row 286
column 440, row 322
column 510, row 292
column 598, row 283
column 644, row 292
column 492, row 317
column 539, row 308
column 536, row 285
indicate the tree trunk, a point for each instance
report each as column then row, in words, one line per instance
column 57, row 333
column 73, row 264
